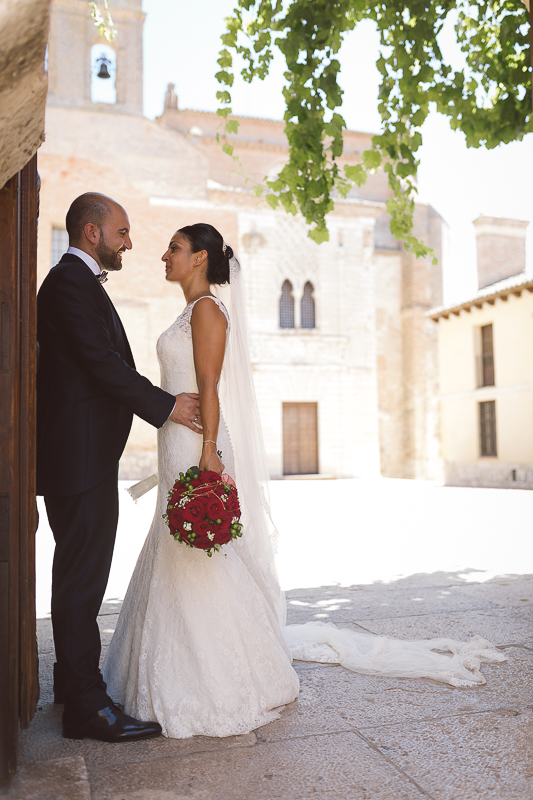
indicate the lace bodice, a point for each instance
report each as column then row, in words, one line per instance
column 175, row 354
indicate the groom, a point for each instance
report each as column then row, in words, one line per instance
column 87, row 392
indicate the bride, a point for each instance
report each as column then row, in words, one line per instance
column 201, row 644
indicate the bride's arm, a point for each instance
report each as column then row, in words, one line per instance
column 208, row 325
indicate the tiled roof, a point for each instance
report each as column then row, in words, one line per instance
column 516, row 284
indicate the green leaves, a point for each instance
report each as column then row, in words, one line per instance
column 104, row 25
column 232, row 126
column 371, row 159
column 490, row 100
column 356, row 173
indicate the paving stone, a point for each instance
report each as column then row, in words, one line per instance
column 294, row 757
column 111, row 606
column 338, row 766
column 436, row 579
column 478, row 755
column 58, row 779
column 351, row 606
column 510, row 590
column 500, row 625
column 44, row 741
column 45, row 636
column 46, row 678
column 336, row 699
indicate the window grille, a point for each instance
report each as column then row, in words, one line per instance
column 286, row 306
column 487, row 356
column 308, row 307
column 59, row 244
column 487, row 427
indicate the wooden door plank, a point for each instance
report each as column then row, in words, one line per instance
column 29, row 659
column 9, row 472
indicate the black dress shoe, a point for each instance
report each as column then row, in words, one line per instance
column 110, row 724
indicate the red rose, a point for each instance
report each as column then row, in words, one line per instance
column 222, row 536
column 176, row 494
column 210, row 477
column 194, row 510
column 175, row 519
column 196, row 482
column 214, row 508
column 232, row 504
column 201, row 529
column 225, row 524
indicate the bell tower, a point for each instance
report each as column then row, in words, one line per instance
column 87, row 71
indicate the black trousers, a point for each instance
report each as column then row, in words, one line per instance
column 84, row 527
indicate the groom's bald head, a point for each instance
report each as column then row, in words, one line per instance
column 91, row 207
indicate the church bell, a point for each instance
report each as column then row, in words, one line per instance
column 104, row 72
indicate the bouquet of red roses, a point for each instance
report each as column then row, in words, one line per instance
column 203, row 510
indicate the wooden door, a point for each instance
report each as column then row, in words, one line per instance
column 19, row 686
column 300, row 438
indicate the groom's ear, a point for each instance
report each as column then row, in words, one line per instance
column 91, row 232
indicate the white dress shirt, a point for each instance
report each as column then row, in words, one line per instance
column 89, row 260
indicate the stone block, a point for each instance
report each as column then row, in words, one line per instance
column 340, row 765
column 484, row 755
column 57, row 779
column 501, row 626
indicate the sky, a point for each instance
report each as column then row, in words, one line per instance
column 181, row 44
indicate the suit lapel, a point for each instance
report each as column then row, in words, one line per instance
column 118, row 321
column 71, row 258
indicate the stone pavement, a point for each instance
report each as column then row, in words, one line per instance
column 348, row 736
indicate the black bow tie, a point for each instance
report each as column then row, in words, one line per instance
column 102, row 276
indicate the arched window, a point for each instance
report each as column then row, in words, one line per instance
column 103, row 74
column 307, row 307
column 286, row 306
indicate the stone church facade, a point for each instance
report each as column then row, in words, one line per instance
column 344, row 357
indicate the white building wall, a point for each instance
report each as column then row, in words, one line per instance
column 333, row 364
column 512, row 322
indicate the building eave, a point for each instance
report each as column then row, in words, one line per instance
column 484, row 296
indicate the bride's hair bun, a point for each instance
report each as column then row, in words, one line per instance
column 203, row 236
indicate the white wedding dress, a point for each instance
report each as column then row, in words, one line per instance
column 201, row 643
column 198, row 646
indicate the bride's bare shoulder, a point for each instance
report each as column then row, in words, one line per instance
column 209, row 312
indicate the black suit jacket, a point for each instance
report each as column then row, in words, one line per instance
column 87, row 385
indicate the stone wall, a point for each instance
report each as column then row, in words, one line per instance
column 334, row 364
column 73, row 33
column 501, row 248
column 23, row 81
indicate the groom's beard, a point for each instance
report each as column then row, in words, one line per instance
column 109, row 258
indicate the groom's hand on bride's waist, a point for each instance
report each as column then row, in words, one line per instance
column 187, row 411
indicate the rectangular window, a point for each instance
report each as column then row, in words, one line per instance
column 487, row 356
column 487, row 428
column 300, row 438
column 59, row 244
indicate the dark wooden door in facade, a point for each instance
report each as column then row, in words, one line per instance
column 19, row 686
column 300, row 439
